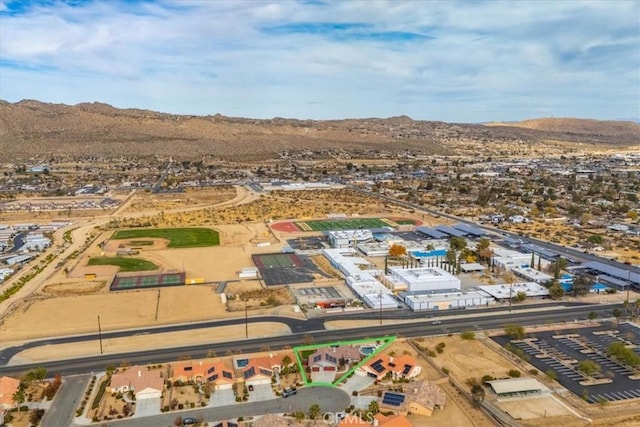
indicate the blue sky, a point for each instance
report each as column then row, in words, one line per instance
column 457, row 61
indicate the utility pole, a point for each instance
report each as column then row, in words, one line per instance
column 628, row 290
column 246, row 320
column 380, row 299
column 100, row 334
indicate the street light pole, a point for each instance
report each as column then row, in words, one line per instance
column 100, row 334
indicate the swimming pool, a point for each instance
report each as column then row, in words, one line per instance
column 429, row 254
column 367, row 350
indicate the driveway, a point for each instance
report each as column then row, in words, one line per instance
column 357, row 383
column 222, row 397
column 147, row 407
column 65, row 403
column 362, row 402
column 323, row 376
column 261, row 392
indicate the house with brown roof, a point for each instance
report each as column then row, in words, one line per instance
column 420, row 398
column 200, row 371
column 8, row 387
column 145, row 383
column 382, row 365
column 254, row 374
column 334, row 356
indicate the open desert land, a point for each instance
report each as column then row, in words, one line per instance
column 148, row 341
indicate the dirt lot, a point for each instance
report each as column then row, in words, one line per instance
column 117, row 310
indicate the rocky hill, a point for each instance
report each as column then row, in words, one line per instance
column 29, row 128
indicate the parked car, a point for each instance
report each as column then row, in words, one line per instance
column 436, row 322
column 289, row 392
column 189, row 421
column 250, row 387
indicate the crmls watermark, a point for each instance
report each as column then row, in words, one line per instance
column 335, row 418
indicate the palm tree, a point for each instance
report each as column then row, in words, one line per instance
column 18, row 397
column 314, row 411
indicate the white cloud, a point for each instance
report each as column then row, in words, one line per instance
column 481, row 61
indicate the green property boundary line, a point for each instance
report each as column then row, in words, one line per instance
column 387, row 341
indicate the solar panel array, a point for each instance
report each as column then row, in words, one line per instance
column 469, row 229
column 610, row 270
column 406, row 369
column 434, row 234
column 450, row 231
column 377, row 366
column 393, row 399
column 249, row 372
column 227, row 374
column 212, row 377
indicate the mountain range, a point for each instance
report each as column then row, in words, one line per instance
column 32, row 128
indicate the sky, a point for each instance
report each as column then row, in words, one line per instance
column 456, row 61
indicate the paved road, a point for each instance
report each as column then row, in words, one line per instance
column 66, row 402
column 420, row 328
column 296, row 325
column 330, row 399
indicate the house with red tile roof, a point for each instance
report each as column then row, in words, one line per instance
column 200, row 371
column 8, row 387
column 403, row 367
column 379, row 420
column 145, row 383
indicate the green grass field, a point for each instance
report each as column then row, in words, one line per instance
column 343, row 224
column 125, row 264
column 178, row 237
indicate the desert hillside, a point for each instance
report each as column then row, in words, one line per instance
column 29, row 128
column 582, row 126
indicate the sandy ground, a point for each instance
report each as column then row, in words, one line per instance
column 143, row 342
column 117, row 310
column 534, row 407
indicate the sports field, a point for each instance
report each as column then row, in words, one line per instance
column 125, row 263
column 124, row 282
column 265, row 261
column 343, row 224
column 177, row 237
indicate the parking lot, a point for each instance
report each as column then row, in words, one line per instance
column 561, row 351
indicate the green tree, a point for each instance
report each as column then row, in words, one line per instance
column 477, row 394
column 555, row 290
column 373, row 408
column 520, row 296
column 589, row 367
column 19, row 397
column 286, row 360
column 551, row 374
column 595, row 239
column 557, row 266
column 299, row 416
column 314, row 411
column 617, row 313
column 592, row 315
column 582, row 284
column 515, row 332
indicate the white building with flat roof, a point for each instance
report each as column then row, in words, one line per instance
column 446, row 301
column 422, row 279
column 506, row 291
column 508, row 258
column 531, row 274
column 361, row 281
column 349, row 238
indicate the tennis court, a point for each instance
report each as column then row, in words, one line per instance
column 136, row 281
column 284, row 269
column 344, row 224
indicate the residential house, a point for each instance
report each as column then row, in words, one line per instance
column 255, row 374
column 379, row 420
column 329, row 358
column 8, row 387
column 419, row 398
column 201, row 371
column 145, row 383
column 403, row 367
